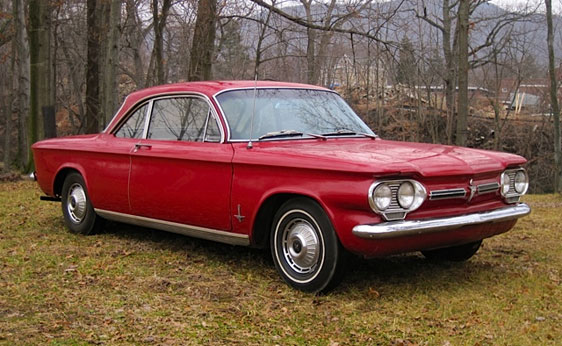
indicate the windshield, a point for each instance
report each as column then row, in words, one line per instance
column 306, row 111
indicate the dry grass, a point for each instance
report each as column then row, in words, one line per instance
column 137, row 286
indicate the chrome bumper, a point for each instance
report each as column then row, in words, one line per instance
column 393, row 229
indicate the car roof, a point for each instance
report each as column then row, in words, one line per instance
column 207, row 88
column 210, row 88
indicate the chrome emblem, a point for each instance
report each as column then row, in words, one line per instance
column 472, row 188
column 239, row 216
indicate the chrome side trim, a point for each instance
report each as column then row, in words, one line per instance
column 394, row 229
column 487, row 188
column 447, row 193
column 147, row 117
column 192, row 231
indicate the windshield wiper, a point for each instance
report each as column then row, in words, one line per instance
column 282, row 133
column 346, row 132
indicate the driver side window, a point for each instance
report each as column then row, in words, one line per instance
column 183, row 119
column 134, row 126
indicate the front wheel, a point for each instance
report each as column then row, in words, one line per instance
column 458, row 253
column 79, row 214
column 305, row 248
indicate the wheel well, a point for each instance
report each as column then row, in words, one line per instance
column 264, row 218
column 59, row 179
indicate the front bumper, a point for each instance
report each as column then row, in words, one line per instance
column 395, row 229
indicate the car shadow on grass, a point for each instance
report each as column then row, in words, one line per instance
column 400, row 273
column 194, row 247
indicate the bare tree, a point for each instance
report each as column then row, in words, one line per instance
column 156, row 67
column 109, row 100
column 134, row 32
column 92, row 69
column 455, row 14
column 263, row 25
column 5, row 110
column 203, row 41
column 554, row 99
column 40, row 74
column 316, row 50
column 462, row 107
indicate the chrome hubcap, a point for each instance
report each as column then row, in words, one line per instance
column 301, row 247
column 76, row 203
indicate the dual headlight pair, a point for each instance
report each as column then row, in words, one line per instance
column 514, row 182
column 398, row 195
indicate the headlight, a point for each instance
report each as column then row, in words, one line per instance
column 521, row 182
column 419, row 195
column 514, row 184
column 382, row 196
column 406, row 195
column 394, row 199
column 505, row 182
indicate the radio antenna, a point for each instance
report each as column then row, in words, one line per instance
column 250, row 146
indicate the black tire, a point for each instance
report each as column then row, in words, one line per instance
column 305, row 248
column 79, row 214
column 458, row 253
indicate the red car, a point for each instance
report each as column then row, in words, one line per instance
column 289, row 166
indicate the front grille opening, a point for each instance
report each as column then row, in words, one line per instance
column 447, row 193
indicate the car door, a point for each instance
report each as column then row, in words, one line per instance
column 109, row 176
column 181, row 172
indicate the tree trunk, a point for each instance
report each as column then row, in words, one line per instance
column 103, row 12
column 261, row 38
column 462, row 108
column 92, row 70
column 310, row 56
column 22, row 81
column 554, row 100
column 159, row 26
column 135, row 36
column 449, row 79
column 316, row 52
column 381, row 85
column 110, row 93
column 6, row 111
column 40, row 74
column 49, row 112
column 203, row 41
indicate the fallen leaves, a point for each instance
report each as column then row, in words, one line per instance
column 132, row 286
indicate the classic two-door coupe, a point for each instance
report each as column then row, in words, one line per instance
column 284, row 165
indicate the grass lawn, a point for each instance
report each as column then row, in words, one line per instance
column 137, row 286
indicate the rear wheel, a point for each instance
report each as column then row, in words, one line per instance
column 79, row 214
column 458, row 253
column 305, row 248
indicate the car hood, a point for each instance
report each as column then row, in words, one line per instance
column 380, row 157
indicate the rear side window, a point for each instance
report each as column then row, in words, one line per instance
column 134, row 126
column 182, row 119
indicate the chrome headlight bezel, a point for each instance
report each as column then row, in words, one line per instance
column 505, row 183
column 382, row 197
column 398, row 207
column 514, row 183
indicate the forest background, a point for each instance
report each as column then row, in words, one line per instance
column 471, row 73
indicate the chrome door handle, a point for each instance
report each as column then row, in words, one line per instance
column 141, row 145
